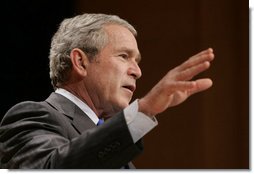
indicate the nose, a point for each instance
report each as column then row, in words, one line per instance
column 135, row 71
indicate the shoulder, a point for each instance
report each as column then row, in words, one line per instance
column 27, row 130
column 25, row 106
column 23, row 110
column 33, row 115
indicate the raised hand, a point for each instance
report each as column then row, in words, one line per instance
column 176, row 86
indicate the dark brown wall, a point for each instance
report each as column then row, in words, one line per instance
column 209, row 130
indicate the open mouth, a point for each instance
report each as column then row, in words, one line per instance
column 130, row 87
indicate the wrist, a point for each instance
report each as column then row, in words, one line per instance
column 144, row 107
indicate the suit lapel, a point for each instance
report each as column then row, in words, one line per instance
column 80, row 120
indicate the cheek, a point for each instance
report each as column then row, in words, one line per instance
column 109, row 84
column 114, row 85
column 114, row 79
column 114, row 90
column 109, row 79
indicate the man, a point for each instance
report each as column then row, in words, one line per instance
column 94, row 67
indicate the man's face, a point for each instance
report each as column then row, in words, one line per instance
column 111, row 78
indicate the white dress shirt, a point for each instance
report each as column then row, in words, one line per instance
column 138, row 123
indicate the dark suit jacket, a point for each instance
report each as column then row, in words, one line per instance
column 56, row 134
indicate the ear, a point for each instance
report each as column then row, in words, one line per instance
column 79, row 62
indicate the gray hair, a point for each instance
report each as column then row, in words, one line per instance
column 84, row 32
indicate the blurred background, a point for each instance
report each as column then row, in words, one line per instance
column 210, row 130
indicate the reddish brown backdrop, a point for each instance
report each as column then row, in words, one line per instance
column 209, row 130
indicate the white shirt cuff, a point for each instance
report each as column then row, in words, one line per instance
column 138, row 123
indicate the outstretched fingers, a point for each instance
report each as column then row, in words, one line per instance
column 177, row 86
column 203, row 56
column 180, row 86
column 209, row 50
column 200, row 85
column 189, row 73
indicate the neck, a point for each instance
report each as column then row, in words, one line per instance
column 83, row 95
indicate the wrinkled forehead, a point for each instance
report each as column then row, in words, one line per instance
column 120, row 36
column 121, row 39
column 119, row 32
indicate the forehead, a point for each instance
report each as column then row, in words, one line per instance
column 117, row 32
column 121, row 38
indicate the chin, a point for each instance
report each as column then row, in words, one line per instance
column 124, row 103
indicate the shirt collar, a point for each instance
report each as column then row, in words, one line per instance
column 82, row 105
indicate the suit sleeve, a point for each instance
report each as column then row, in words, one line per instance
column 33, row 137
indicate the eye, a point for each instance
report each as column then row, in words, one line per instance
column 124, row 56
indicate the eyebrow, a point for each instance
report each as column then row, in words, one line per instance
column 130, row 52
column 139, row 58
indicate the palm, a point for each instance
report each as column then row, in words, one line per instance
column 177, row 97
column 176, row 86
